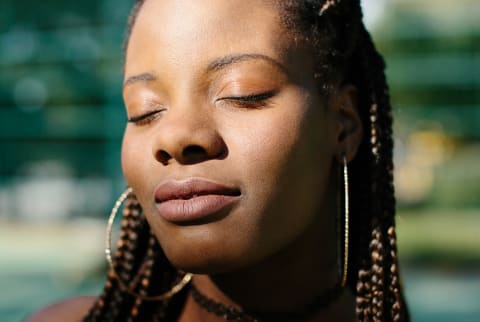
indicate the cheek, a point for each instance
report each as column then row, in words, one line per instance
column 284, row 159
column 259, row 148
column 129, row 155
column 269, row 147
column 284, row 144
column 135, row 160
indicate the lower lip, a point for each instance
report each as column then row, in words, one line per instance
column 179, row 210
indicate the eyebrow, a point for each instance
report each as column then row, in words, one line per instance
column 143, row 77
column 215, row 65
column 223, row 62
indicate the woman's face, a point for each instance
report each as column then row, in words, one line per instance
column 230, row 149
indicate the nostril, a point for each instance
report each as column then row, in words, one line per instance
column 193, row 150
column 194, row 153
column 163, row 156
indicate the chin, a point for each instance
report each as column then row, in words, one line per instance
column 206, row 256
column 205, row 263
column 213, row 248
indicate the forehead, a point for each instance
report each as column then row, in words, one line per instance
column 185, row 33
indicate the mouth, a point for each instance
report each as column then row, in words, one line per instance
column 192, row 188
column 194, row 200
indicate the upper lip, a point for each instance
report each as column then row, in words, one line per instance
column 190, row 188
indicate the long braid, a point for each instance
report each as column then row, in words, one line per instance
column 375, row 294
column 155, row 277
column 348, row 43
column 395, row 300
column 107, row 305
column 141, row 266
column 385, row 297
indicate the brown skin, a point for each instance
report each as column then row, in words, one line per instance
column 276, row 248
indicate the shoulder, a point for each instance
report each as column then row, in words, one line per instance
column 70, row 310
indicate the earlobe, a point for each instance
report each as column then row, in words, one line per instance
column 349, row 125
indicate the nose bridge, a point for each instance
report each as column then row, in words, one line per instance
column 187, row 119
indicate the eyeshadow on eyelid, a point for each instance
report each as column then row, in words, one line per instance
column 251, row 84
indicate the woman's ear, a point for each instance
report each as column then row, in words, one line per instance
column 349, row 129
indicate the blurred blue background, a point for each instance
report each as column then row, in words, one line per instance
column 61, row 121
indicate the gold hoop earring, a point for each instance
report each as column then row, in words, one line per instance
column 108, row 255
column 346, row 203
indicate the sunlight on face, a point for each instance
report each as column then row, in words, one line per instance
column 217, row 92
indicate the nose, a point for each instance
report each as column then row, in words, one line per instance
column 187, row 137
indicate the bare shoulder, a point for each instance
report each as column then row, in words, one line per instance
column 70, row 310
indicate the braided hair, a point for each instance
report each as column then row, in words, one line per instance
column 345, row 53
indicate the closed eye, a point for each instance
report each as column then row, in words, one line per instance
column 144, row 118
column 252, row 101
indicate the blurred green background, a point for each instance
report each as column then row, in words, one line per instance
column 61, row 121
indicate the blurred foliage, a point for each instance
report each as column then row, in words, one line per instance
column 441, row 239
column 60, row 99
column 432, row 54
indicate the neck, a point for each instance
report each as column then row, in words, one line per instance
column 285, row 282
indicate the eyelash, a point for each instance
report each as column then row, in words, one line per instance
column 247, row 101
column 145, row 118
column 250, row 101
